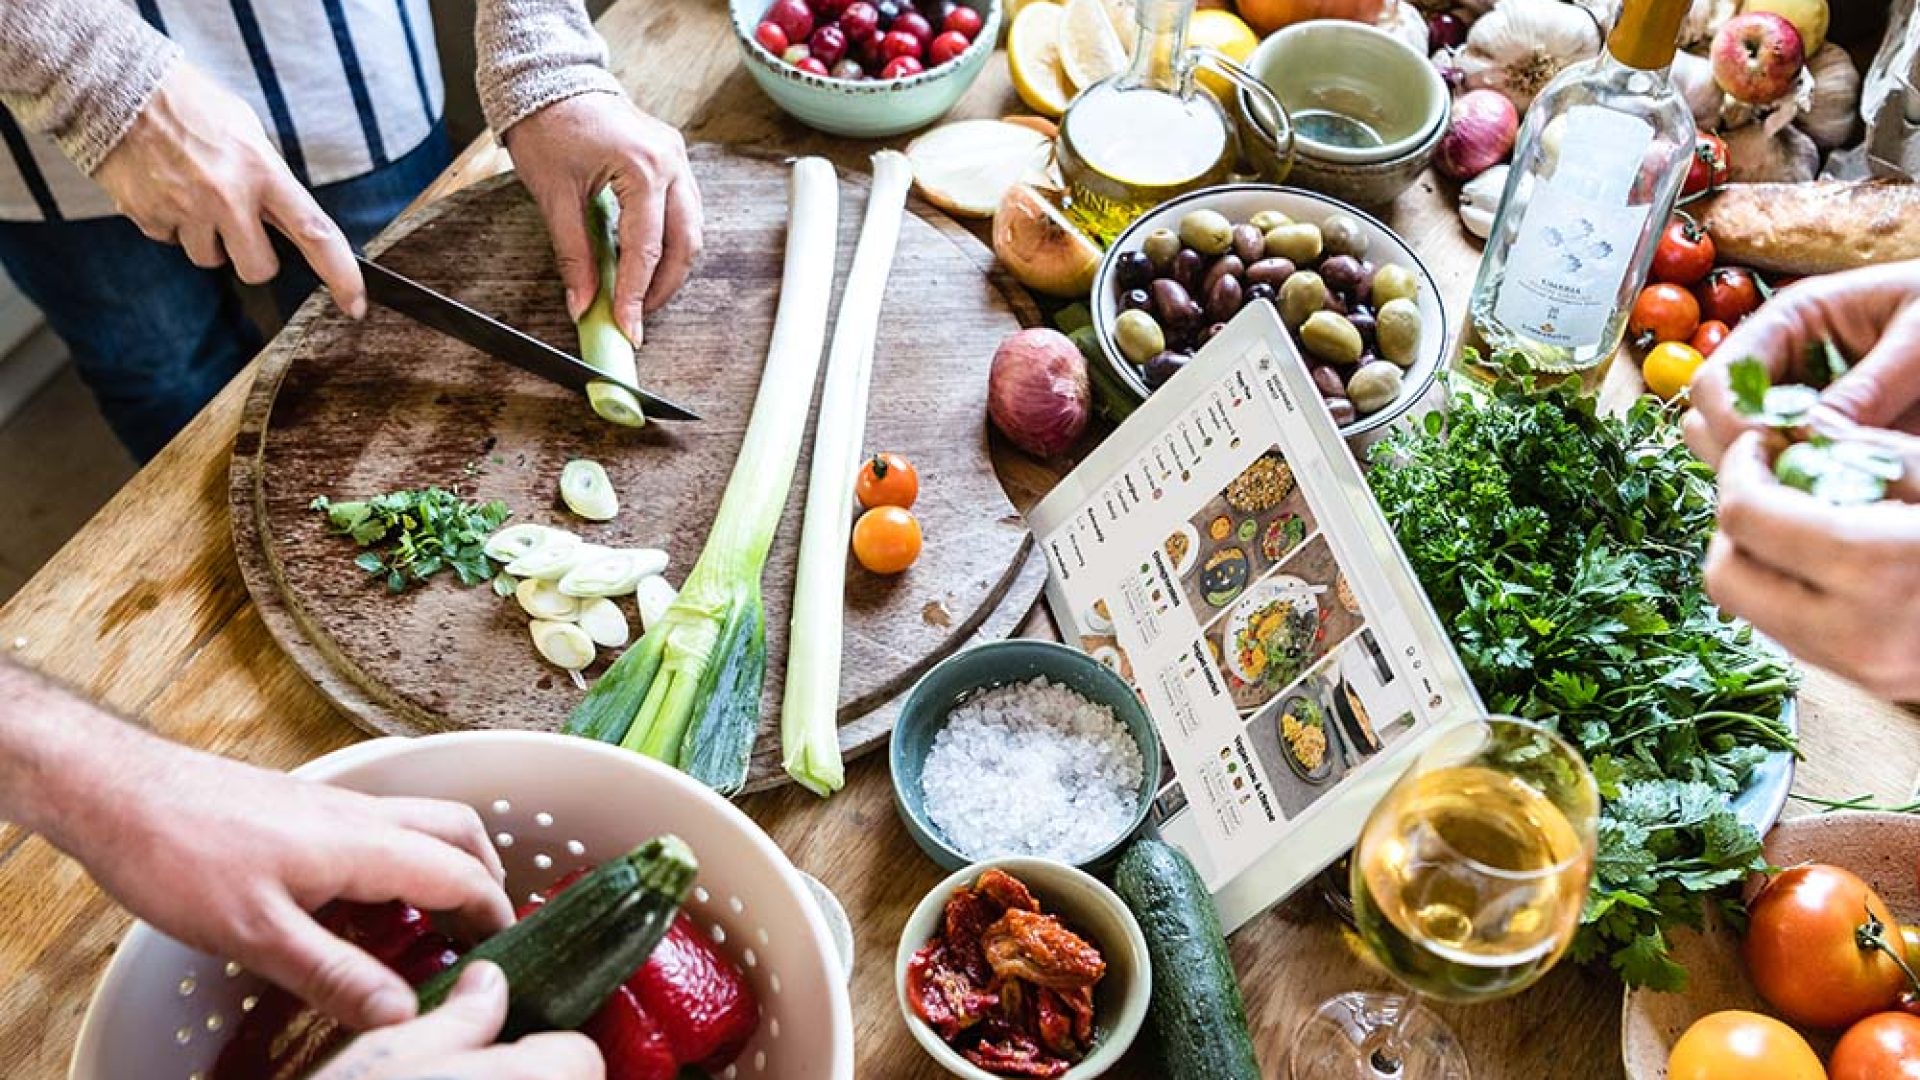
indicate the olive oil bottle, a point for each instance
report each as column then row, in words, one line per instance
column 1134, row 140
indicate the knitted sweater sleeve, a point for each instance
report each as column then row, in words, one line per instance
column 79, row 71
column 534, row 53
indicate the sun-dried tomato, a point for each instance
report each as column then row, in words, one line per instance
column 968, row 915
column 1016, row 1055
column 1040, row 949
column 945, row 997
column 1006, row 890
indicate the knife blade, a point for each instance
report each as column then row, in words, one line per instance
column 495, row 338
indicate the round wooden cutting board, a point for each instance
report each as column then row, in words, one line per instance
column 350, row 410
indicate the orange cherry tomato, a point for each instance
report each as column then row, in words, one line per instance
column 1670, row 367
column 1804, row 950
column 886, row 539
column 1663, row 313
column 1735, row 1045
column 1881, row 1047
column 1708, row 338
column 887, row 480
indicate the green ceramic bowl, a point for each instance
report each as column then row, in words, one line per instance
column 1119, row 1001
column 999, row 663
column 868, row 109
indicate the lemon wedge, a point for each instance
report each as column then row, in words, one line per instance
column 1033, row 58
column 1090, row 48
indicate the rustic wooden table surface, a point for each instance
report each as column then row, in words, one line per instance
column 145, row 611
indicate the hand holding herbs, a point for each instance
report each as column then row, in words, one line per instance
column 412, row 535
column 1843, row 472
column 1562, row 550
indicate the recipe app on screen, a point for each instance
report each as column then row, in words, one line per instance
column 1221, row 552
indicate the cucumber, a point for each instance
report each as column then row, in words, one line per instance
column 563, row 961
column 1196, row 1008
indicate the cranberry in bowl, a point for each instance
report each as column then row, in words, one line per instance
column 866, row 68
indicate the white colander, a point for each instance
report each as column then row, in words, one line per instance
column 551, row 803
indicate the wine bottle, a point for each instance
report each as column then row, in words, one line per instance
column 1598, row 165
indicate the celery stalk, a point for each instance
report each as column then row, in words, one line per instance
column 688, row 692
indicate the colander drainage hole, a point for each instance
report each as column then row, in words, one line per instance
column 719, row 934
column 543, row 861
column 773, row 1027
column 738, row 905
column 543, row 819
column 759, row 1061
column 773, row 981
column 502, row 806
column 576, row 848
column 701, row 895
column 187, row 986
column 732, row 1072
column 503, row 840
column 752, row 960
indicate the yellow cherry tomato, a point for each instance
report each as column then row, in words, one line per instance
column 1669, row 368
column 886, row 539
column 1735, row 1045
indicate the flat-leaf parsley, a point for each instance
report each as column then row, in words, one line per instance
column 412, row 535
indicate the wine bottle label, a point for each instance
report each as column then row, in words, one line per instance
column 1576, row 242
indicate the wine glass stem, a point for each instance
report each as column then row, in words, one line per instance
column 1386, row 1057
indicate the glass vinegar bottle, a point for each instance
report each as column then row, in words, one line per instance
column 1599, row 163
column 1136, row 139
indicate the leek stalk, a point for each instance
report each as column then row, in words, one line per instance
column 688, row 692
column 809, row 715
column 603, row 346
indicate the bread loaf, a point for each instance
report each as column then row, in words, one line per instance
column 1814, row 228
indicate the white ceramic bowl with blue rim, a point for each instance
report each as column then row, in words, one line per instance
column 871, row 108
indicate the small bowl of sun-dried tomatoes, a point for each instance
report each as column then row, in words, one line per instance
column 1023, row 967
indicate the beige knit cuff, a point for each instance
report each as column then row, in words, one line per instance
column 533, row 53
column 80, row 71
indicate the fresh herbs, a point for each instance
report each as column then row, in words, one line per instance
column 1562, row 548
column 1843, row 472
column 413, row 535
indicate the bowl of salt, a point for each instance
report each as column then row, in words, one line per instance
column 1023, row 748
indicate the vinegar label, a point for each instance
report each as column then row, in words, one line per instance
column 1577, row 240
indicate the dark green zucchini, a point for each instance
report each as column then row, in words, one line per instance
column 1196, row 1008
column 564, row 960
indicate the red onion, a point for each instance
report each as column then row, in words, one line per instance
column 1445, row 30
column 1480, row 134
column 1038, row 393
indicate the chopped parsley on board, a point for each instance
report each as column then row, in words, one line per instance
column 412, row 535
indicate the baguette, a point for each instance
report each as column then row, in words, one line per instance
column 1813, row 228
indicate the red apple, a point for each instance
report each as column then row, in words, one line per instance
column 1757, row 55
column 771, row 37
column 946, row 47
column 900, row 67
column 792, row 17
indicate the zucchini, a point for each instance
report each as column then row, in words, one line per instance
column 1196, row 1009
column 563, row 961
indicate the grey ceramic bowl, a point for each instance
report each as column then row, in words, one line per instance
column 999, row 663
column 867, row 109
column 1119, row 1001
column 1348, row 68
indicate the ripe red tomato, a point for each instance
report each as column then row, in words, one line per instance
column 1663, row 313
column 947, row 46
column 1735, row 1045
column 1882, row 1047
column 1708, row 338
column 1728, row 294
column 964, row 21
column 887, row 480
column 1685, row 253
column 1803, row 955
column 1708, row 168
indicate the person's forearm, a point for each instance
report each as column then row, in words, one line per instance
column 61, row 757
column 533, row 53
column 79, row 71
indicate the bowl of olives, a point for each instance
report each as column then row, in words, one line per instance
column 1361, row 309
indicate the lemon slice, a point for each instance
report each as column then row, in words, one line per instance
column 1224, row 31
column 1090, row 48
column 1033, row 58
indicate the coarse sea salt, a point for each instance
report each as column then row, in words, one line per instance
column 1034, row 769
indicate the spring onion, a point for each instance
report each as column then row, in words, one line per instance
column 504, row 585
column 809, row 716
column 550, row 558
column 585, row 489
column 562, row 643
column 688, row 692
column 604, row 622
column 612, row 571
column 516, row 540
column 542, row 600
column 602, row 344
column 654, row 596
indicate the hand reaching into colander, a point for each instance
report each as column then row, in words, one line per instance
column 231, row 859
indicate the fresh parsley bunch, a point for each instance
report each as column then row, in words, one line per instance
column 413, row 535
column 1562, row 548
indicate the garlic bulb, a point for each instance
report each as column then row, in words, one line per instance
column 1480, row 200
column 1404, row 21
column 1520, row 45
column 1756, row 156
column 1693, row 77
column 1703, row 21
column 1832, row 110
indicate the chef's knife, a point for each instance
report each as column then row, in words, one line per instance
column 497, row 339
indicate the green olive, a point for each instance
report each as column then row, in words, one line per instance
column 1299, row 241
column 1331, row 338
column 1344, row 235
column 1161, row 245
column 1268, row 220
column 1140, row 338
column 1302, row 295
column 1393, row 282
column 1206, row 231
column 1396, row 327
column 1374, row 386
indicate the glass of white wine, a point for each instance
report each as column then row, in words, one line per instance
column 1467, row 886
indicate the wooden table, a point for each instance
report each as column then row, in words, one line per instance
column 145, row 611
